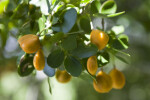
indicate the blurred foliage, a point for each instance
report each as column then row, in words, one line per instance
column 136, row 23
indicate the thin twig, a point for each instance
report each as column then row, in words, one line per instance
column 50, row 90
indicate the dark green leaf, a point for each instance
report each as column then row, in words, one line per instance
column 69, row 43
column 25, row 66
column 73, row 66
column 84, row 51
column 85, row 24
column 21, row 11
column 95, row 7
column 108, row 7
column 56, row 58
column 49, row 41
column 68, row 21
column 103, row 59
column 118, row 44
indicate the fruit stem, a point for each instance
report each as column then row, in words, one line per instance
column 103, row 24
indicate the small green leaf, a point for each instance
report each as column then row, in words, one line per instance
column 108, row 7
column 69, row 43
column 118, row 29
column 85, row 24
column 73, row 66
column 116, row 14
column 84, row 51
column 103, row 59
column 85, row 1
column 55, row 58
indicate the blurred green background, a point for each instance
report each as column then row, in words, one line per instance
column 136, row 21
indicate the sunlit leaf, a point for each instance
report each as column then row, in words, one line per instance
column 108, row 7
column 118, row 29
column 116, row 14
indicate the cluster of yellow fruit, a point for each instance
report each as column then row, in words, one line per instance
column 104, row 82
column 31, row 44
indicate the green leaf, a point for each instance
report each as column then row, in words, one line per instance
column 116, row 14
column 69, row 43
column 56, row 58
column 73, row 66
column 95, row 7
column 122, row 59
column 68, row 21
column 21, row 11
column 48, row 6
column 121, row 42
column 83, row 51
column 85, row 24
column 118, row 29
column 25, row 66
column 49, row 40
column 87, row 77
column 3, row 5
column 85, row 1
column 103, row 59
column 118, row 44
column 108, row 7
column 41, row 23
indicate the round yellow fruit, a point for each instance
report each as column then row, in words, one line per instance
column 39, row 60
column 117, row 78
column 62, row 76
column 103, row 83
column 99, row 38
column 29, row 43
column 92, row 65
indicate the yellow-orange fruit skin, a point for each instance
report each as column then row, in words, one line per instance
column 117, row 78
column 62, row 76
column 39, row 60
column 92, row 65
column 103, row 83
column 29, row 43
column 99, row 38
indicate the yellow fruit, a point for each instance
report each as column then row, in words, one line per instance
column 117, row 78
column 92, row 65
column 62, row 76
column 39, row 60
column 103, row 83
column 99, row 38
column 29, row 43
